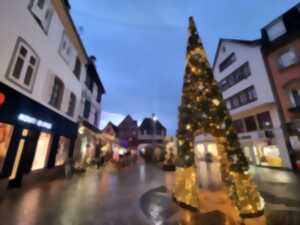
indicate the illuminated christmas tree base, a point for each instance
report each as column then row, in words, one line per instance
column 185, row 188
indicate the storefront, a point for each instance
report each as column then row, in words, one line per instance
column 86, row 143
column 33, row 138
column 262, row 152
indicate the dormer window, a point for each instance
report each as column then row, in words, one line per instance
column 276, row 29
column 42, row 12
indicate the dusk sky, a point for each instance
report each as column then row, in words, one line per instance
column 140, row 46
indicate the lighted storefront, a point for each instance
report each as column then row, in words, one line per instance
column 263, row 153
column 32, row 138
column 86, row 143
column 5, row 137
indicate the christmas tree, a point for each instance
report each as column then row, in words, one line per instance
column 203, row 111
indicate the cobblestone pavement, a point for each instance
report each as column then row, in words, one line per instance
column 136, row 195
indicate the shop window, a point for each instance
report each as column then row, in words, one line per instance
column 276, row 29
column 250, row 123
column 264, row 120
column 271, row 156
column 72, row 104
column 5, row 137
column 42, row 151
column 24, row 65
column 287, row 58
column 77, row 68
column 42, row 12
column 62, row 151
column 57, row 93
column 239, row 126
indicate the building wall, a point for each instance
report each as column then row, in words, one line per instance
column 265, row 98
column 258, row 77
column 282, row 77
column 46, row 45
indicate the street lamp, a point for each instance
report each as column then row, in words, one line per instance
column 154, row 119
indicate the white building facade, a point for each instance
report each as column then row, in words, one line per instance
column 42, row 69
column 243, row 80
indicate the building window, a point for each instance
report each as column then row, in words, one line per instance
column 66, row 50
column 99, row 96
column 57, row 93
column 89, row 82
column 227, row 62
column 236, row 76
column 287, row 58
column 264, row 121
column 244, row 97
column 96, row 119
column 295, row 97
column 87, row 109
column 239, row 126
column 23, row 66
column 77, row 68
column 42, row 12
column 250, row 123
column 72, row 105
column 276, row 29
column 42, row 151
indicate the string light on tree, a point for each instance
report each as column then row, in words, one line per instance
column 202, row 111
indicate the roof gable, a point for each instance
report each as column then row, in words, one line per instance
column 238, row 41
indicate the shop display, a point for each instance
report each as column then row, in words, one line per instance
column 5, row 136
column 42, row 151
column 62, row 151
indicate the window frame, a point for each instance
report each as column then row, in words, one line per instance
column 282, row 53
column 11, row 67
column 235, row 77
column 261, row 120
column 57, row 104
column 65, row 49
column 255, row 123
column 87, row 109
column 48, row 7
column 72, row 105
column 235, row 100
column 271, row 25
column 77, row 68
column 228, row 61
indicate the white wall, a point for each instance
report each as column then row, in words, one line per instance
column 258, row 78
column 16, row 20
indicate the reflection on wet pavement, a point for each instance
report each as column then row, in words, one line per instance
column 136, row 195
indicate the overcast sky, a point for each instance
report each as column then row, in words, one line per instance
column 140, row 46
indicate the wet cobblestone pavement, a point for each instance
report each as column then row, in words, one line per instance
column 136, row 195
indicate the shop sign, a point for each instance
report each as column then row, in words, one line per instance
column 31, row 120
